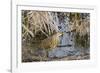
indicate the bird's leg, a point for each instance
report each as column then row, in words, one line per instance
column 45, row 57
column 46, row 54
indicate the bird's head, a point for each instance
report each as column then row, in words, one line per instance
column 59, row 33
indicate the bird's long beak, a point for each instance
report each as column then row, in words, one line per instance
column 61, row 33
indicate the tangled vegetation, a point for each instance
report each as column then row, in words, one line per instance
column 81, row 24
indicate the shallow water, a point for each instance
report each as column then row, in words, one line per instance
column 66, row 39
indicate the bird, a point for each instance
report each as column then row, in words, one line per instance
column 50, row 42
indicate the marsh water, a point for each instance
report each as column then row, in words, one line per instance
column 67, row 41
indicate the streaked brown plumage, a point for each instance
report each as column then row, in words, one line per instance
column 50, row 42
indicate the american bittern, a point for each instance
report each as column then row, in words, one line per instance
column 50, row 42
